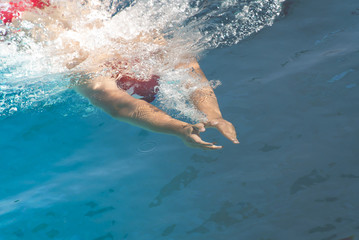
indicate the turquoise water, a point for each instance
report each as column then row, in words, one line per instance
column 69, row 171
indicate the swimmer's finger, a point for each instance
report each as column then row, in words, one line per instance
column 230, row 134
column 197, row 139
column 213, row 147
column 205, row 145
column 228, row 130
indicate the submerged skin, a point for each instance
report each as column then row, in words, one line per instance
column 104, row 93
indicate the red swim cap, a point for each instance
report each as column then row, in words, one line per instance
column 14, row 8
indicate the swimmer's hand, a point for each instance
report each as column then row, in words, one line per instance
column 224, row 127
column 190, row 136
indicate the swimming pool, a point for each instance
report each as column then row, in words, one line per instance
column 71, row 172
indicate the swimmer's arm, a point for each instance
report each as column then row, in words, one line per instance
column 206, row 101
column 105, row 94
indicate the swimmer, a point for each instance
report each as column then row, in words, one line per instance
column 115, row 95
column 104, row 93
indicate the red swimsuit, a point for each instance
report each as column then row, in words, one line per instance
column 146, row 90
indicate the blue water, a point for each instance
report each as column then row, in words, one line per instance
column 292, row 92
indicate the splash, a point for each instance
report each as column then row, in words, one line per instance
column 42, row 52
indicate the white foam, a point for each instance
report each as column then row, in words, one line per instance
column 44, row 46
